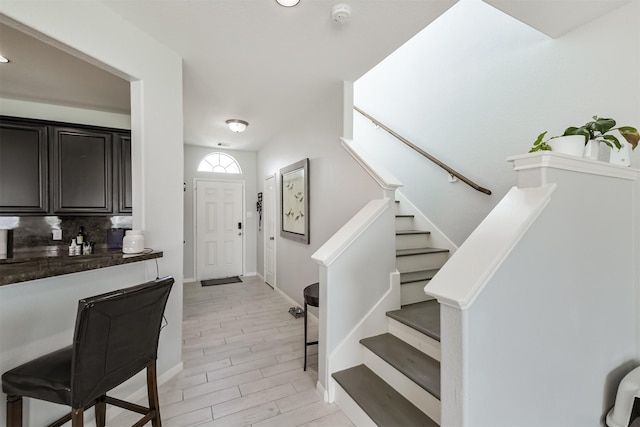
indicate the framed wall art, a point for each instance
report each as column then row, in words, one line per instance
column 294, row 191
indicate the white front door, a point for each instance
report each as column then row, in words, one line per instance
column 219, row 229
column 269, row 211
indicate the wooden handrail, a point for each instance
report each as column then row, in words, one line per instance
column 451, row 171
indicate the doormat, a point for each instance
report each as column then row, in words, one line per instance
column 223, row 281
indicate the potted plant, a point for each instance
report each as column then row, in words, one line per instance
column 567, row 144
column 598, row 132
column 539, row 144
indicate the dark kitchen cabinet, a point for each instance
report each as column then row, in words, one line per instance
column 23, row 168
column 56, row 168
column 82, row 171
column 123, row 173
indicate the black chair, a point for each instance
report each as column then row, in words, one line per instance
column 311, row 297
column 116, row 336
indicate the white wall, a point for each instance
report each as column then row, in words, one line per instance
column 156, row 125
column 338, row 186
column 247, row 160
column 477, row 86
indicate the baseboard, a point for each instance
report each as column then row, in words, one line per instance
column 322, row 392
column 188, row 280
column 251, row 273
column 296, row 304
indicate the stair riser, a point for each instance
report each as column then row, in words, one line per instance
column 413, row 292
column 351, row 409
column 416, row 339
column 404, row 223
column 412, row 241
column 409, row 263
column 422, row 399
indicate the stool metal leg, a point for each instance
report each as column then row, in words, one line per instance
column 305, row 336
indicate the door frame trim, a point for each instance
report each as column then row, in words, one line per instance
column 275, row 230
column 195, row 221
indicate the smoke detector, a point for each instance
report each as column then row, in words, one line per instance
column 341, row 13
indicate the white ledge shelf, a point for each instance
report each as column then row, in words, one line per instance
column 551, row 160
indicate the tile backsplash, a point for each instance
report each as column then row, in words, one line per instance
column 30, row 232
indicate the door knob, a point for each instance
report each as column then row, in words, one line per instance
column 271, row 238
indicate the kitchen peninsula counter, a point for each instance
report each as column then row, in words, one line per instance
column 49, row 262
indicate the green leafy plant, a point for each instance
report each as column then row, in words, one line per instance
column 539, row 144
column 597, row 130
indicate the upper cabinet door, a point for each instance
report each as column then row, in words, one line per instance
column 23, row 168
column 82, row 171
column 123, row 165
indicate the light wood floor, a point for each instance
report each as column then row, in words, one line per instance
column 243, row 355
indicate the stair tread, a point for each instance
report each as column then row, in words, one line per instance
column 406, row 232
column 423, row 316
column 413, row 363
column 419, row 251
column 384, row 405
column 417, row 276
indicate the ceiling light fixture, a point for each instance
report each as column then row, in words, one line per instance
column 288, row 3
column 237, row 125
column 3, row 59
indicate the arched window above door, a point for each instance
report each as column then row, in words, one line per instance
column 219, row 162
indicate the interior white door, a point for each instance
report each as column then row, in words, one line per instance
column 219, row 229
column 269, row 212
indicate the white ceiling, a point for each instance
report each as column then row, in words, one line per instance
column 252, row 59
column 556, row 17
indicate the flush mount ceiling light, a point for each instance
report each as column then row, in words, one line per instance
column 3, row 59
column 288, row 3
column 237, row 125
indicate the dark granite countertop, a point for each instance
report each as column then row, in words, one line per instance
column 54, row 261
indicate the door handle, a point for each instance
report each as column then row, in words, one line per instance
column 271, row 238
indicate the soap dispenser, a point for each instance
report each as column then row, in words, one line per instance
column 81, row 237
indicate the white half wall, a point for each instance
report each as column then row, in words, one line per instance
column 553, row 332
column 107, row 40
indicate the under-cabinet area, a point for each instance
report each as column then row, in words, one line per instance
column 55, row 168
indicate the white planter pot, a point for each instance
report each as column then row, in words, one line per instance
column 572, row 145
column 597, row 150
column 622, row 156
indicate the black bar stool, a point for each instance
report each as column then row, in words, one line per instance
column 311, row 297
column 116, row 336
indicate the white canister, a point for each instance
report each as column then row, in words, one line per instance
column 133, row 242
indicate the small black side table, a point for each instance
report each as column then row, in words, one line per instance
column 312, row 298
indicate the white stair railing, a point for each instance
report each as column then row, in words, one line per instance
column 357, row 266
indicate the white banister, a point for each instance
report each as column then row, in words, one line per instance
column 356, row 265
column 462, row 278
column 358, row 279
column 379, row 173
column 344, row 237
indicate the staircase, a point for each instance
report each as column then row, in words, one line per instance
column 399, row 382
